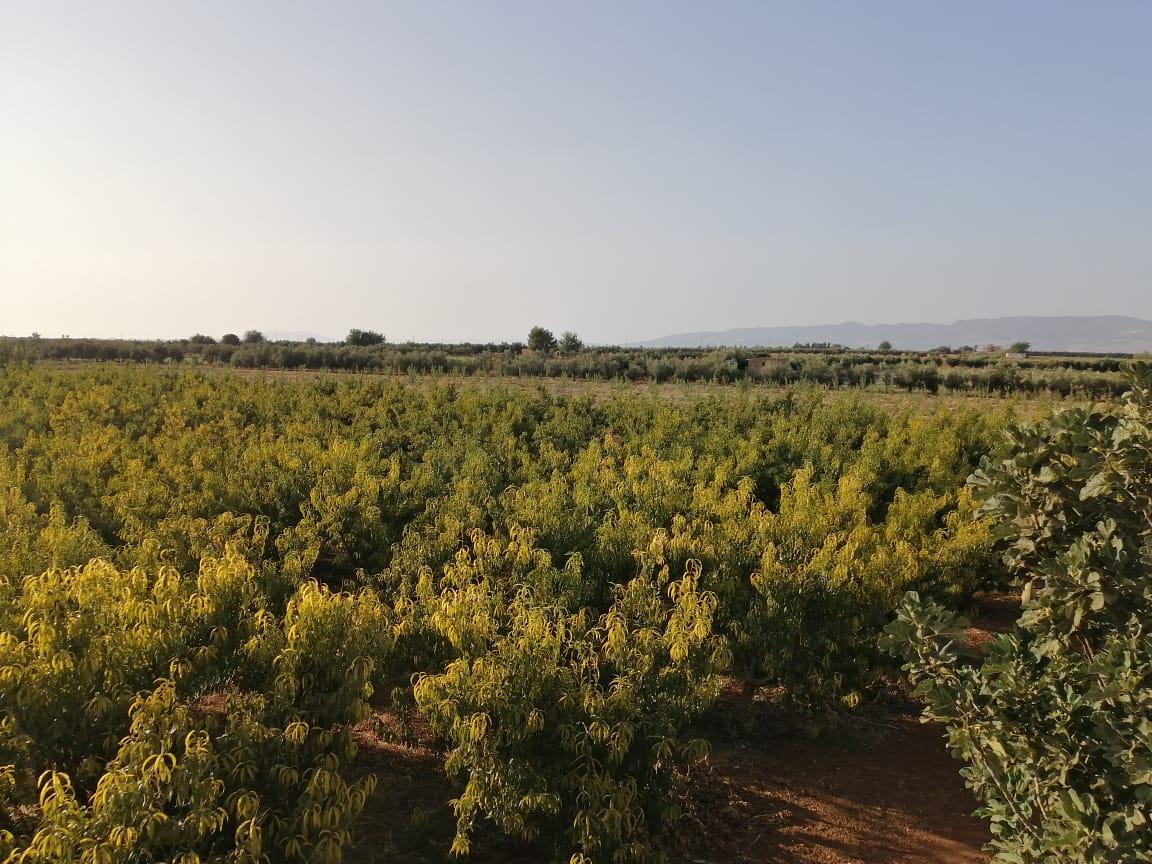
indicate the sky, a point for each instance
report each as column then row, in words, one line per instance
column 462, row 171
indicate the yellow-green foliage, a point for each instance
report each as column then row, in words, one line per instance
column 90, row 637
column 259, row 771
column 192, row 786
column 565, row 579
column 829, row 577
column 569, row 725
column 32, row 540
column 320, row 657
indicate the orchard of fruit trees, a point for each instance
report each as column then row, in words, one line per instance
column 209, row 583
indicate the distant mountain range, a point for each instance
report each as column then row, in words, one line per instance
column 1064, row 333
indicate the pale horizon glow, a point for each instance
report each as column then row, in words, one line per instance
column 452, row 171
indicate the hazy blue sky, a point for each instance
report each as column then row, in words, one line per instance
column 464, row 170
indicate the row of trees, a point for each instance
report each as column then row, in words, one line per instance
column 255, row 337
column 542, row 340
column 539, row 339
column 1014, row 348
column 1087, row 377
column 251, row 337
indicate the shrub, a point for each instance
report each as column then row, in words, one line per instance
column 90, row 637
column 1054, row 722
column 363, row 337
column 569, row 728
column 190, row 785
column 245, row 770
column 542, row 340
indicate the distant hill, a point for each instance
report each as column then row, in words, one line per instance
column 1096, row 333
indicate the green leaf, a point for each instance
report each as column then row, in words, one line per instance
column 1097, row 485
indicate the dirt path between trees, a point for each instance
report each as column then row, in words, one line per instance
column 876, row 794
column 883, row 791
column 879, row 788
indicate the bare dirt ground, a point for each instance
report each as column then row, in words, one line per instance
column 882, row 794
column 994, row 613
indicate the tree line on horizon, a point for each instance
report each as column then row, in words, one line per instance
column 543, row 355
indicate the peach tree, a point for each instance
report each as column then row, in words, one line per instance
column 568, row 728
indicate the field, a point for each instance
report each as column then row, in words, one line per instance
column 306, row 616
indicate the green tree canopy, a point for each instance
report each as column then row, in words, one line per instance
column 1053, row 722
column 540, row 339
column 364, row 337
